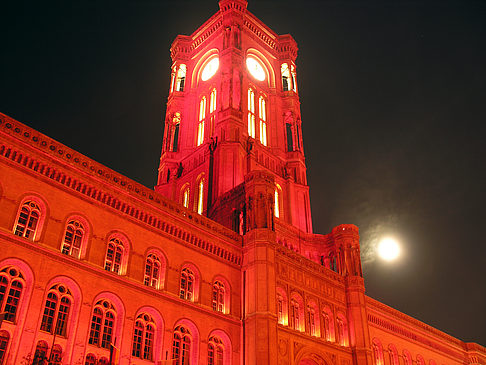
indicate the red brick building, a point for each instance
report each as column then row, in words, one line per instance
column 219, row 263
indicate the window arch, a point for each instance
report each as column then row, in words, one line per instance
column 282, row 307
column 153, row 271
column 181, row 346
column 313, row 319
column 187, row 284
column 251, row 113
column 12, row 285
column 102, row 324
column 297, row 312
column 181, row 77
column 328, row 323
column 286, row 80
column 277, row 200
column 378, row 352
column 200, row 196
column 407, row 358
column 392, row 351
column 218, row 297
column 57, row 309
column 262, row 114
column 75, row 237
column 342, row 330
column 29, row 219
column 40, row 355
column 116, row 257
column 202, row 119
column 55, row 357
column 91, row 360
column 143, row 337
column 215, row 351
column 4, row 341
column 185, row 196
column 420, row 360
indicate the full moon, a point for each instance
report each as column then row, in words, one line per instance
column 388, row 249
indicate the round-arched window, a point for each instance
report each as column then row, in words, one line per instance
column 210, row 69
column 255, row 68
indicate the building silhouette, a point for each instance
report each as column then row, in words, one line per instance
column 219, row 263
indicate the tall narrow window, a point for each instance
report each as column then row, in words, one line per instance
column 181, row 78
column 114, row 255
column 285, row 77
column 407, row 358
column 187, row 285
column 102, row 324
column 294, row 315
column 181, row 346
column 200, row 197
column 28, row 220
column 56, row 310
column 215, row 351
column 4, row 340
column 262, row 113
column 276, row 204
column 251, row 113
column 73, row 238
column 172, row 81
column 294, row 78
column 143, row 337
column 174, row 128
column 290, row 137
column 11, row 288
column 218, row 296
column 202, row 118
column 212, row 112
column 378, row 352
column 392, row 351
column 311, row 321
column 152, row 271
column 185, row 197
column 280, row 309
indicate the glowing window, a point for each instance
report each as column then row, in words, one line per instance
column 200, row 196
column 152, row 271
column 143, row 337
column 212, row 111
column 294, row 78
column 262, row 113
column 185, row 198
column 276, row 204
column 114, row 256
column 294, row 315
column 181, row 78
column 210, row 69
column 102, row 324
column 255, row 68
column 187, row 285
column 202, row 117
column 28, row 219
column 56, row 310
column 251, row 113
column 73, row 238
column 284, row 70
column 218, row 296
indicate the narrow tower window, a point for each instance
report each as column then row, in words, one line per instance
column 185, row 197
column 181, row 78
column 276, row 204
column 285, row 77
column 251, row 113
column 200, row 196
column 262, row 111
column 212, row 112
column 202, row 117
column 294, row 78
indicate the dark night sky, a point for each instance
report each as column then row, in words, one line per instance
column 392, row 95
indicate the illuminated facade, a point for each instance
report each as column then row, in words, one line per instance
column 218, row 264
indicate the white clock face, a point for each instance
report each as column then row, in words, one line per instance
column 255, row 68
column 210, row 69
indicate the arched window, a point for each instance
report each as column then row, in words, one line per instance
column 294, row 314
column 181, row 78
column 218, row 296
column 152, row 271
column 11, row 288
column 212, row 112
column 284, row 70
column 420, row 360
column 28, row 220
column 143, row 337
column 282, row 307
column 40, row 355
column 215, row 351
column 56, row 310
column 200, row 197
column 392, row 351
column 187, row 285
column 4, row 340
column 103, row 361
column 114, row 255
column 251, row 113
column 276, row 203
column 378, row 352
column 262, row 113
column 185, row 197
column 202, row 118
column 294, row 78
column 313, row 320
column 102, row 324
column 342, row 330
column 328, row 322
column 407, row 358
column 181, row 346
column 73, row 238
column 90, row 360
column 55, row 356
column 173, row 132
